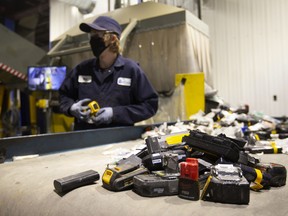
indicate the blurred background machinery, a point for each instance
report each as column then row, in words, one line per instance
column 166, row 41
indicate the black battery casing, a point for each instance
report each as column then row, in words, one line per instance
column 220, row 146
column 120, row 177
column 155, row 161
column 71, row 182
column 188, row 189
column 226, row 185
column 152, row 185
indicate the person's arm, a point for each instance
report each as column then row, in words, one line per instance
column 68, row 93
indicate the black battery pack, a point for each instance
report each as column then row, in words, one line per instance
column 120, row 177
column 264, row 149
column 220, row 146
column 156, row 161
column 226, row 184
column 152, row 185
column 152, row 144
column 189, row 189
column 68, row 183
column 123, row 181
column 276, row 172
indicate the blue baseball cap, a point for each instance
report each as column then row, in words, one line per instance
column 102, row 23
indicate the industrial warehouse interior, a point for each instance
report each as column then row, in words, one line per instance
column 138, row 107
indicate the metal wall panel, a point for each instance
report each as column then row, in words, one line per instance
column 248, row 49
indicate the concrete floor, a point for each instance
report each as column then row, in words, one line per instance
column 26, row 188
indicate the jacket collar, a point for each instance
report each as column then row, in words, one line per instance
column 119, row 62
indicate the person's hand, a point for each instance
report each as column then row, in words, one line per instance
column 80, row 110
column 103, row 116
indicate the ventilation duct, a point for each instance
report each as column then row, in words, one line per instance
column 84, row 6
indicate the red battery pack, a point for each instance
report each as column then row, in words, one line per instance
column 188, row 181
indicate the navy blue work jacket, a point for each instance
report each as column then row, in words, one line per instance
column 125, row 88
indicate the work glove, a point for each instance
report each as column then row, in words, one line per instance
column 80, row 110
column 103, row 116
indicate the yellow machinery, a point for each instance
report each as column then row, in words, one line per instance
column 61, row 123
column 56, row 122
column 194, row 95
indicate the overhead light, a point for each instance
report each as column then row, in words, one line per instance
column 84, row 6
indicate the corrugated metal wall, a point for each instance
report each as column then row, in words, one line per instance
column 248, row 49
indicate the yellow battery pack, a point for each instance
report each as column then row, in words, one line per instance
column 94, row 107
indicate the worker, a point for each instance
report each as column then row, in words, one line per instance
column 117, row 84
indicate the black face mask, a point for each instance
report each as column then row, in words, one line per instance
column 97, row 45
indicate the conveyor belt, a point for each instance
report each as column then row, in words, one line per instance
column 57, row 142
column 26, row 188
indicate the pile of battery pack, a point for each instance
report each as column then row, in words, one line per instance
column 211, row 157
column 200, row 163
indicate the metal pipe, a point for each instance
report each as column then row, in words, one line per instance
column 127, row 31
column 199, row 9
column 58, row 45
column 69, row 51
column 54, row 53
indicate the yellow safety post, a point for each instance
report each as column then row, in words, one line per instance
column 33, row 115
